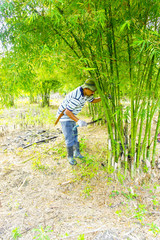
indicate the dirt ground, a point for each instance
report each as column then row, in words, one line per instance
column 39, row 189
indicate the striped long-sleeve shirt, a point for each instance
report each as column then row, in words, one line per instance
column 74, row 102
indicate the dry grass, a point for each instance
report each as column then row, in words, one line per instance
column 39, row 188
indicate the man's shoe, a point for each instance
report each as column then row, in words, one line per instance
column 77, row 153
column 72, row 161
column 70, row 156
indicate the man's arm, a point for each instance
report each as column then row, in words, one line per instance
column 74, row 118
column 96, row 100
column 71, row 115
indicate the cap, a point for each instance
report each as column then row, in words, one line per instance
column 90, row 84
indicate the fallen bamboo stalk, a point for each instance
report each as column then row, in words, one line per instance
column 41, row 141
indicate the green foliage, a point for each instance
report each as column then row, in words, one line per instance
column 37, row 165
column 61, row 151
column 155, row 202
column 118, row 212
column 114, row 194
column 87, row 190
column 129, row 195
column 42, row 233
column 87, row 169
column 81, row 237
column 90, row 166
column 16, row 233
column 154, row 228
column 121, row 178
column 83, row 144
column 140, row 212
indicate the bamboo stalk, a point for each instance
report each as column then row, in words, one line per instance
column 155, row 138
column 140, row 137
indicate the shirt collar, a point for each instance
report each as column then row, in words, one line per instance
column 81, row 89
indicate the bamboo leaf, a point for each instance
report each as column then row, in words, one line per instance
column 126, row 25
column 88, row 69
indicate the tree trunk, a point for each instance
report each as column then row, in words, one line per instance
column 45, row 99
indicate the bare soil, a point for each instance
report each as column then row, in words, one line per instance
column 39, row 189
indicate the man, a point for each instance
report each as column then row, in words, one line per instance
column 67, row 111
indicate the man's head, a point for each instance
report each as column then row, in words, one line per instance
column 89, row 87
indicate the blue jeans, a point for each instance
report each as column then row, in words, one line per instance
column 71, row 136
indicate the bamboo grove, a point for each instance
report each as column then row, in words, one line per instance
column 114, row 42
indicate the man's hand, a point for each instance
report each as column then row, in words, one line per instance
column 81, row 123
column 96, row 100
